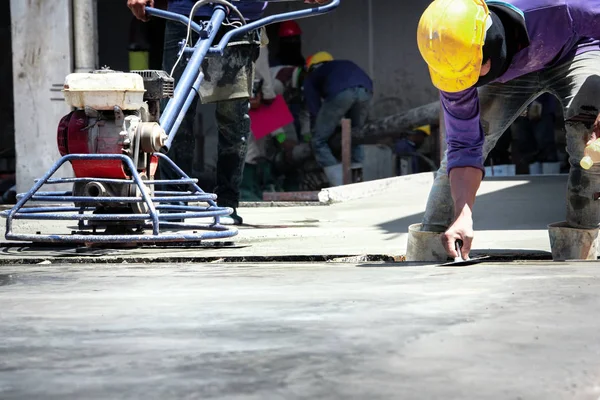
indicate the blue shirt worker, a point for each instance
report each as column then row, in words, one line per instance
column 490, row 60
column 333, row 90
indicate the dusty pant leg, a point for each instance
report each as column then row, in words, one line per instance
column 331, row 113
column 582, row 210
column 227, row 80
column 500, row 105
column 358, row 114
column 234, row 129
column 577, row 85
column 439, row 210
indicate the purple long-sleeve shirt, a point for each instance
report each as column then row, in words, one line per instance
column 558, row 29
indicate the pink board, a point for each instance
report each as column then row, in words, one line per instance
column 268, row 118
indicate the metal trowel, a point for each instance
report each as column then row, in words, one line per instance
column 459, row 261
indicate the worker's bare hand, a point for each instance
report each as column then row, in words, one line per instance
column 138, row 8
column 256, row 101
column 462, row 229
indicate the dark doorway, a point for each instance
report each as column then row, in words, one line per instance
column 7, row 126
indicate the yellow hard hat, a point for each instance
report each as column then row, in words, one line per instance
column 450, row 36
column 317, row 58
column 426, row 129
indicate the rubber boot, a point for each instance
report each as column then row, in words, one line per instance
column 425, row 245
column 356, row 170
column 335, row 175
column 569, row 243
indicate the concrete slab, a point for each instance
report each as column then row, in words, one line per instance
column 299, row 331
column 510, row 214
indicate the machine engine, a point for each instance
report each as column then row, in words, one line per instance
column 114, row 113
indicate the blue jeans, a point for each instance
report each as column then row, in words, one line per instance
column 351, row 103
column 233, row 125
column 576, row 84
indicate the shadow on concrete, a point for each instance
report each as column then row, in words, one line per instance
column 529, row 206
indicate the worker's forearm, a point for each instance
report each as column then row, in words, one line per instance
column 464, row 183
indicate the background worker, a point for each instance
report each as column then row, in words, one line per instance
column 289, row 50
column 285, row 65
column 333, row 90
column 490, row 60
column 263, row 93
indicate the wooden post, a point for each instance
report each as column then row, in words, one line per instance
column 347, row 150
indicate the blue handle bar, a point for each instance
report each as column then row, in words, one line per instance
column 273, row 19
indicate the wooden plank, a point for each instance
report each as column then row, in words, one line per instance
column 347, row 151
column 290, row 196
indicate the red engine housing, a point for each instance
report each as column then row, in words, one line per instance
column 74, row 137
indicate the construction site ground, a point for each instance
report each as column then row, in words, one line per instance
column 310, row 301
column 368, row 219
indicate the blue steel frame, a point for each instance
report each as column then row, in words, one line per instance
column 170, row 120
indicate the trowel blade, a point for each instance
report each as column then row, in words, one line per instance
column 464, row 263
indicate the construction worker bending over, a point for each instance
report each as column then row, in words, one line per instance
column 490, row 59
column 335, row 89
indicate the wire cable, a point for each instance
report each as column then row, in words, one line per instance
column 189, row 26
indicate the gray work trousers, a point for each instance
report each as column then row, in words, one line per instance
column 576, row 83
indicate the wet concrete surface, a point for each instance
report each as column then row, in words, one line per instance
column 300, row 331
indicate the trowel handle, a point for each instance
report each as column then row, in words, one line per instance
column 458, row 244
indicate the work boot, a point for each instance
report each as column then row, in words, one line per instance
column 357, row 172
column 425, row 245
column 335, row 175
column 232, row 219
column 569, row 243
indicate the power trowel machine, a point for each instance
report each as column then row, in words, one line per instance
column 114, row 138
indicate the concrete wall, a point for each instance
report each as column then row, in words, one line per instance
column 41, row 43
